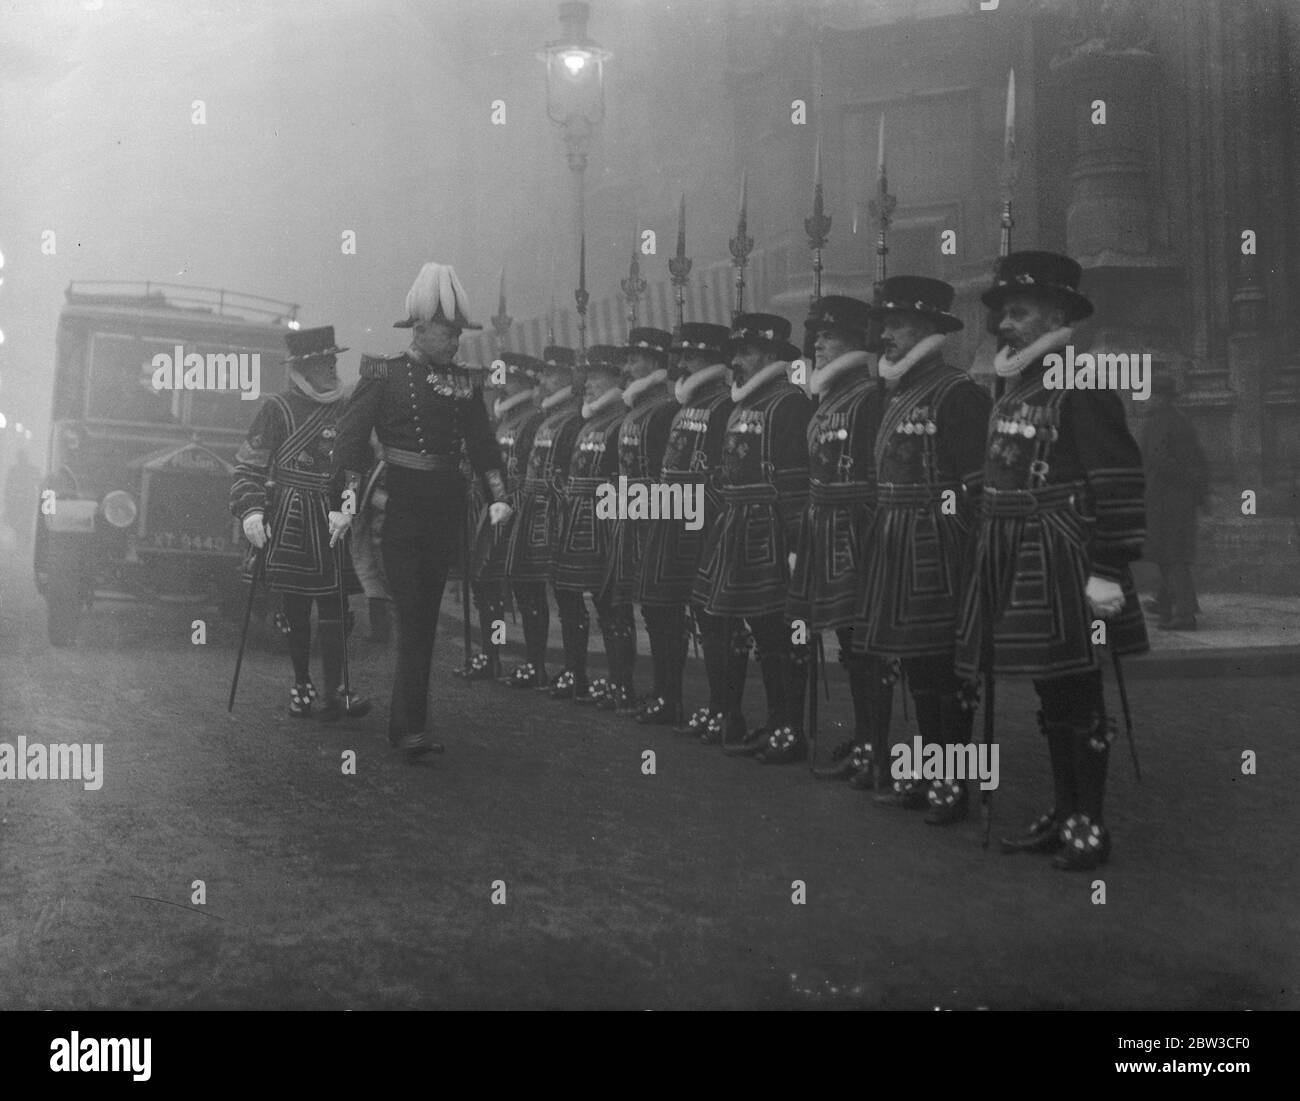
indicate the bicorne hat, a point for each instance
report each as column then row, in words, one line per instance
column 767, row 330
column 836, row 311
column 654, row 341
column 305, row 344
column 557, row 355
column 1046, row 273
column 918, row 294
column 702, row 338
column 520, row 365
column 437, row 295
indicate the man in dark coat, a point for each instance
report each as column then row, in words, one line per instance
column 424, row 409
column 279, row 495
column 1176, row 475
column 1061, row 519
column 744, row 569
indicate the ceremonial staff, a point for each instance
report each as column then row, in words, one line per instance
column 818, row 228
column 259, row 567
column 679, row 267
column 1009, row 174
column 633, row 286
column 581, row 297
column 741, row 245
column 501, row 322
column 881, row 209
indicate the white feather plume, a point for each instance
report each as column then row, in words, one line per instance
column 461, row 297
column 437, row 287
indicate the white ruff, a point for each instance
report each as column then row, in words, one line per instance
column 925, row 347
column 608, row 398
column 632, row 393
column 325, row 397
column 557, row 398
column 502, row 406
column 1007, row 365
column 824, row 377
column 761, row 379
column 687, row 385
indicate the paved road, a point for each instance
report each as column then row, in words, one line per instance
column 621, row 889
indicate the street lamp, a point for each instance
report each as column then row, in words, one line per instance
column 575, row 100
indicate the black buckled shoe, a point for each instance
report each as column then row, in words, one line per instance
column 416, row 746
column 784, row 746
column 904, row 794
column 527, row 676
column 847, row 758
column 340, row 704
column 596, row 692
column 656, row 712
column 695, row 725
column 949, row 802
column 714, row 730
column 628, row 706
column 483, row 667
column 746, row 746
column 301, row 697
column 1085, row 844
column 563, row 688
column 1042, row 836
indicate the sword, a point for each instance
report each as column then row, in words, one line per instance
column 1128, row 715
column 814, row 654
column 464, row 589
column 343, row 624
column 258, row 563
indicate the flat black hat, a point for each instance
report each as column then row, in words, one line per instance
column 702, row 338
column 767, row 330
column 644, row 339
column 1047, row 273
column 919, row 294
column 837, row 311
column 605, row 357
column 517, row 363
column 307, row 344
column 557, row 355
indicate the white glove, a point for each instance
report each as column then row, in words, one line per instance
column 339, row 523
column 499, row 512
column 792, row 558
column 254, row 530
column 1106, row 597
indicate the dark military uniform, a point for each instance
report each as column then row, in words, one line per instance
column 672, row 553
column 763, row 481
column 423, row 414
column 582, row 555
column 1062, row 500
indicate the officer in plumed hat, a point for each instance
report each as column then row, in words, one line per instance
column 1061, row 518
column 642, row 436
column 672, row 555
column 763, row 481
column 530, row 558
column 280, row 495
column 929, row 451
column 424, row 409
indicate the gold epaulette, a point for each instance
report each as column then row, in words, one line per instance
column 378, row 366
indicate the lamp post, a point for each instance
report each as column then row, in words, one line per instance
column 575, row 101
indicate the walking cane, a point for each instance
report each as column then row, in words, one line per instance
column 343, row 622
column 1128, row 715
column 259, row 561
column 986, row 796
column 814, row 654
column 464, row 591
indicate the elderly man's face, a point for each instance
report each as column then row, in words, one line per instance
column 641, row 365
column 748, row 359
column 598, row 382
column 437, row 340
column 833, row 343
column 554, row 380
column 1026, row 317
column 902, row 331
